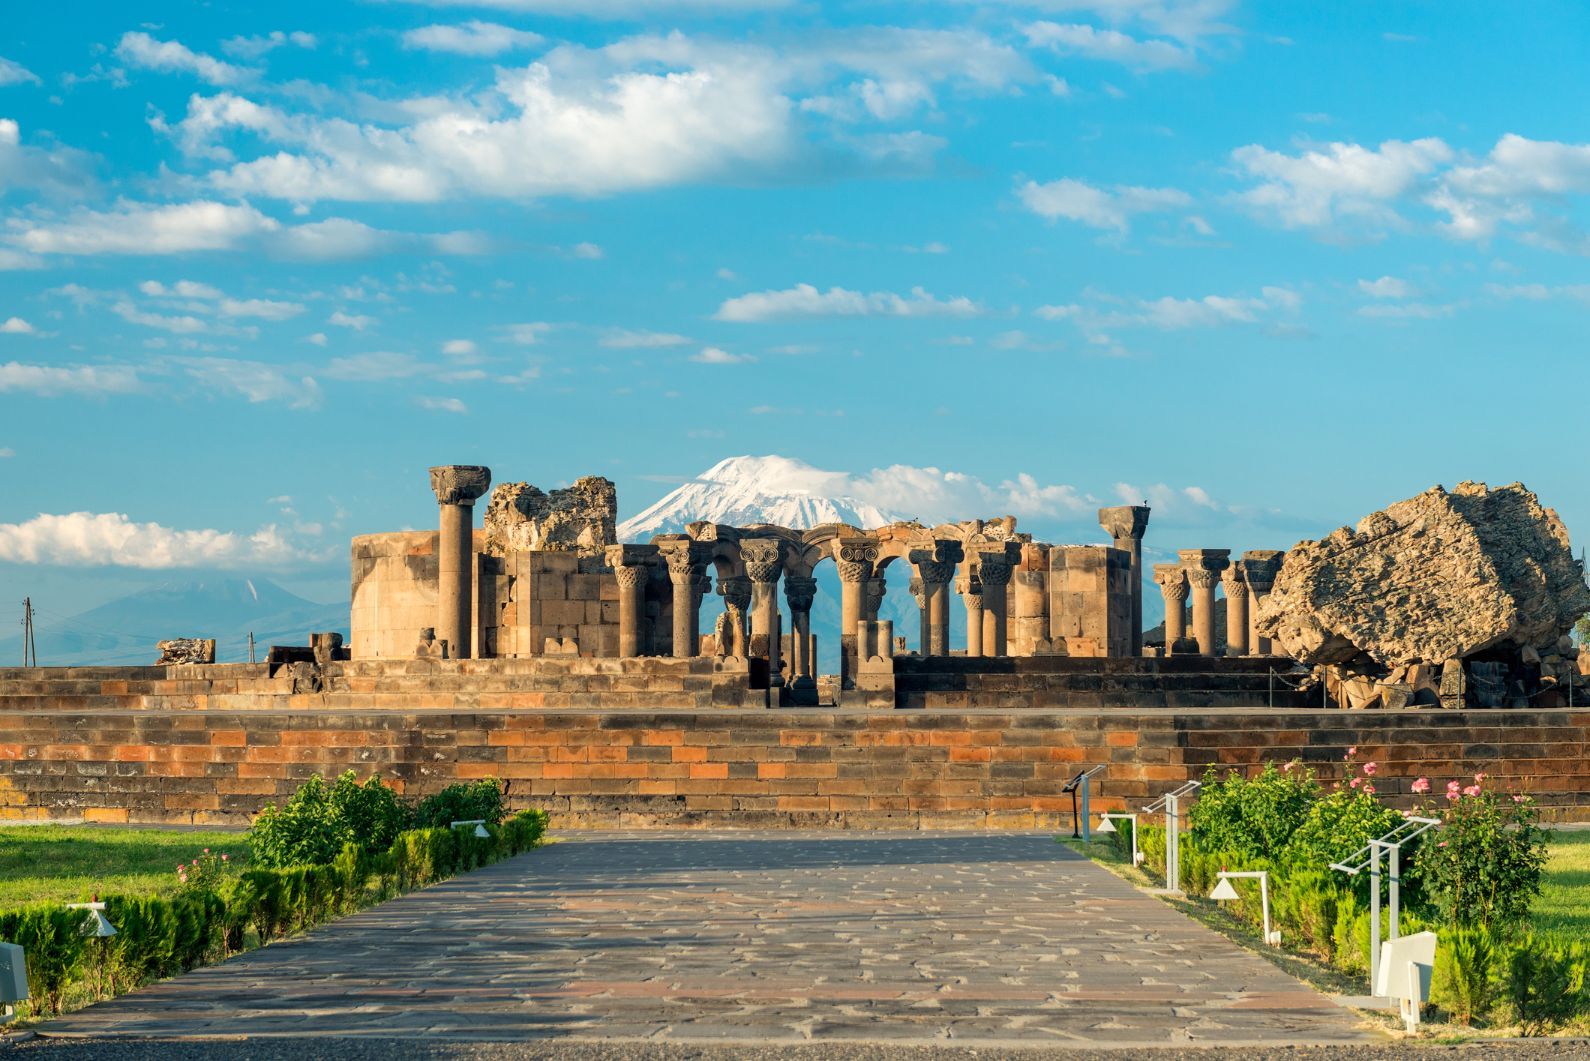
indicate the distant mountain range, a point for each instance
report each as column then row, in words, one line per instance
column 745, row 490
column 124, row 631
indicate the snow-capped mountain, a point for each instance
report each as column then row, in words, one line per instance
column 745, row 490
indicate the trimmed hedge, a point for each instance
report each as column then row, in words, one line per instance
column 159, row 936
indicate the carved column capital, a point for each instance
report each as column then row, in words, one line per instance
column 919, row 591
column 855, row 558
column 1172, row 579
column 1261, row 566
column 686, row 562
column 935, row 562
column 629, row 577
column 800, row 591
column 736, row 591
column 1124, row 521
column 1236, row 586
column 875, row 589
column 995, row 572
column 763, row 558
column 459, row 484
column 1204, row 565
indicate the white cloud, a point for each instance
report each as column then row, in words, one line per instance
column 141, row 228
column 588, row 251
column 471, row 38
column 933, row 495
column 615, row 9
column 15, row 326
column 1175, row 314
column 182, row 324
column 332, row 239
column 110, row 539
column 640, row 112
column 459, row 348
column 61, row 172
column 357, row 321
column 7, row 451
column 712, row 355
column 251, row 48
column 317, row 338
column 142, row 50
column 375, row 366
column 804, row 300
column 1340, row 180
column 1539, row 292
column 52, row 380
column 442, row 405
column 1517, row 173
column 1407, row 310
column 1106, row 208
column 1109, row 45
column 180, row 289
column 14, row 73
column 526, row 334
column 1385, row 287
column 624, row 339
column 254, row 380
column 263, row 308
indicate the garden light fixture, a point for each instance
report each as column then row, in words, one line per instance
column 1080, row 785
column 1224, row 893
column 1107, row 822
column 94, row 924
column 478, row 823
column 1170, row 802
column 1368, row 857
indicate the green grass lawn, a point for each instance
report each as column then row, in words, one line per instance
column 69, row 863
column 1564, row 903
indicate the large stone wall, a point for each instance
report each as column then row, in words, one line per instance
column 740, row 767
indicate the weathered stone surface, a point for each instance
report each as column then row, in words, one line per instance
column 186, row 650
column 1440, row 576
column 581, row 518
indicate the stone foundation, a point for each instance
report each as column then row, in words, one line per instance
column 739, row 767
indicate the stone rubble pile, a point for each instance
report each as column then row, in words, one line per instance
column 180, row 650
column 1455, row 597
column 581, row 518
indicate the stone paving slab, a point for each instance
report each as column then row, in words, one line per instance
column 952, row 939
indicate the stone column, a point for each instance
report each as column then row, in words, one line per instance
column 687, row 572
column 919, row 593
column 1236, row 610
column 631, row 568
column 736, row 593
column 1125, row 524
column 1261, row 566
column 877, row 588
column 1203, row 568
column 935, row 566
column 1172, row 579
column 800, row 591
column 456, row 487
column 854, row 560
column 971, row 591
column 995, row 571
column 764, row 562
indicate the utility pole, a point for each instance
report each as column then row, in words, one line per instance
column 30, row 652
column 251, row 646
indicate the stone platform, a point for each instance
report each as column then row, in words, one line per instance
column 745, row 767
column 994, row 941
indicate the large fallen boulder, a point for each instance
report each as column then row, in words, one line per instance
column 581, row 518
column 1441, row 576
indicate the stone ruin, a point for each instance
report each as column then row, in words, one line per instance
column 1456, row 598
column 1467, row 595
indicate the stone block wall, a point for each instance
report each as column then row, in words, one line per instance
column 1090, row 600
column 968, row 769
column 394, row 594
column 1037, row 683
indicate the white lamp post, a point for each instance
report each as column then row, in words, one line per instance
column 478, row 823
column 1223, row 893
column 1078, row 786
column 1107, row 822
column 1368, row 857
column 1170, row 802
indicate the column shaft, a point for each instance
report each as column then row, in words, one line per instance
column 971, row 593
column 631, row 603
column 454, row 553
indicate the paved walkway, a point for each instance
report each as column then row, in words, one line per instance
column 963, row 938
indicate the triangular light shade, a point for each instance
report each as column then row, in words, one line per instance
column 1223, row 892
column 480, row 831
column 1105, row 825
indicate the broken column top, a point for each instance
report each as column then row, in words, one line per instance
column 459, row 484
column 1124, row 521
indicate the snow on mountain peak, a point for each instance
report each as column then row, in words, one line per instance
column 743, row 490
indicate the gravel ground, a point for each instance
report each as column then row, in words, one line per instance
column 46, row 1049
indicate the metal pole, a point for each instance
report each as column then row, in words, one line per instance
column 1087, row 813
column 1272, row 687
column 1172, row 846
column 1396, row 881
column 1076, row 822
column 1264, row 900
column 1374, row 916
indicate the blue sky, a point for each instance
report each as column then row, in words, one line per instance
column 1270, row 265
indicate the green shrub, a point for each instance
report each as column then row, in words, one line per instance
column 1464, row 982
column 53, row 938
column 1484, row 867
column 1252, row 816
column 1544, row 982
column 461, row 802
column 319, row 819
column 1338, row 823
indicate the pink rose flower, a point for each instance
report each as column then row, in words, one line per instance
column 1355, row 782
column 1286, row 769
column 1518, row 799
column 1421, row 786
column 1351, row 752
column 1472, row 790
column 1370, row 768
column 1479, row 778
column 223, row 856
